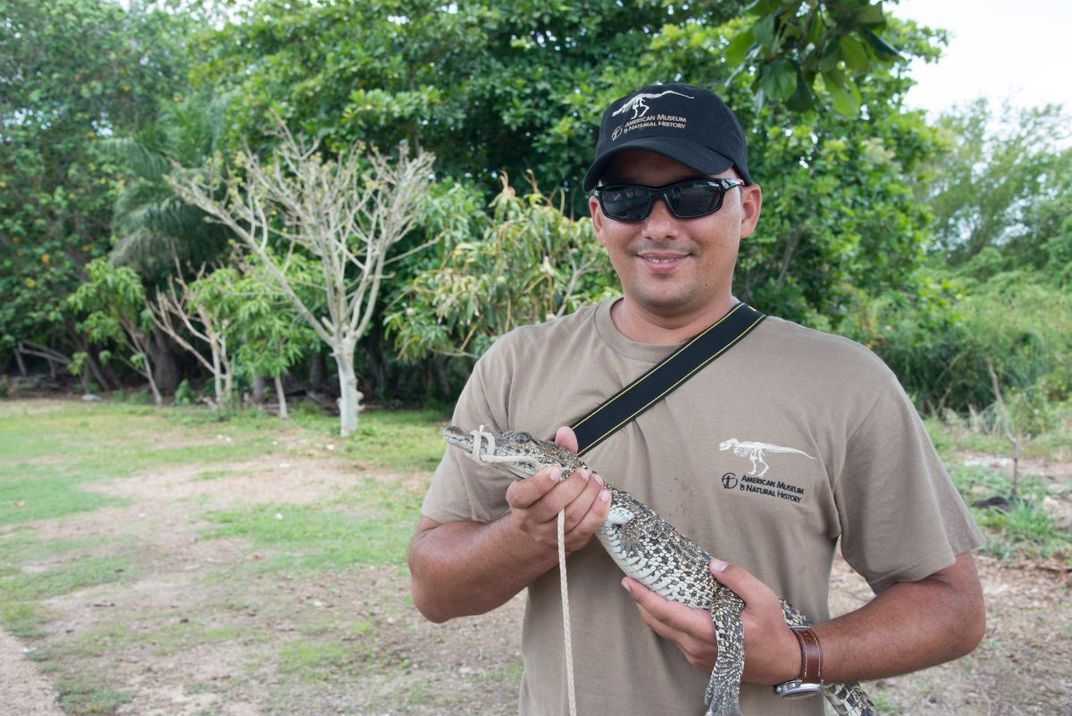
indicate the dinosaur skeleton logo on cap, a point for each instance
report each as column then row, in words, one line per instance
column 640, row 107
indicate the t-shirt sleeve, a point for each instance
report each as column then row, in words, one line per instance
column 461, row 489
column 901, row 517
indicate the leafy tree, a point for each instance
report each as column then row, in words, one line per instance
column 1051, row 222
column 471, row 82
column 235, row 319
column 153, row 227
column 480, row 80
column 800, row 48
column 270, row 337
column 112, row 302
column 71, row 73
column 531, row 264
column 476, row 80
column 1003, row 183
column 944, row 341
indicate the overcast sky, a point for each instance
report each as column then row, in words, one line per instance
column 1016, row 50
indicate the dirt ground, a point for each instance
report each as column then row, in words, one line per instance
column 200, row 631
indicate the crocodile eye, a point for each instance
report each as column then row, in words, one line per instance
column 523, row 437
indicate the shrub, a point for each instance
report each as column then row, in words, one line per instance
column 944, row 342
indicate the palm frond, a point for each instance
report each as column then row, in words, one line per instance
column 137, row 157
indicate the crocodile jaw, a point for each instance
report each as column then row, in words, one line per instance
column 489, row 451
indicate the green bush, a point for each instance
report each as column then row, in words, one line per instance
column 944, row 342
column 184, row 394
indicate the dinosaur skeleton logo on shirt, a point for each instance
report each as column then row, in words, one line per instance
column 754, row 451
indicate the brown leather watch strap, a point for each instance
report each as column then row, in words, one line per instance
column 811, row 655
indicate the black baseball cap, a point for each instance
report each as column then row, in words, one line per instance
column 688, row 124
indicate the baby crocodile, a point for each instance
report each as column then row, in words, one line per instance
column 649, row 549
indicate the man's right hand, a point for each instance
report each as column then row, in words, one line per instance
column 536, row 502
column 461, row 568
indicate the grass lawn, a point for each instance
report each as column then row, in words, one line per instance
column 168, row 560
column 80, row 490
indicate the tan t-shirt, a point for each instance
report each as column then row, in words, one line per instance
column 788, row 442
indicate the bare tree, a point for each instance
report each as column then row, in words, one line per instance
column 341, row 214
column 210, row 328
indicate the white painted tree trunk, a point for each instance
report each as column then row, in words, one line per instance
column 217, row 377
column 282, row 396
column 350, row 399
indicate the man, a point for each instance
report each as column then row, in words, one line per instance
column 789, row 442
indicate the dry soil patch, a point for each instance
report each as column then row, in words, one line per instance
column 23, row 689
column 201, row 631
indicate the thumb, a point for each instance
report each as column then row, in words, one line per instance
column 742, row 582
column 565, row 437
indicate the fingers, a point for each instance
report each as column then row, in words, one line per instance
column 666, row 615
column 771, row 651
column 577, row 495
column 546, row 493
column 689, row 629
column 587, row 513
column 597, row 498
column 769, row 645
column 538, row 500
column 523, row 494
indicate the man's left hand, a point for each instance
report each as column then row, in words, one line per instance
column 772, row 654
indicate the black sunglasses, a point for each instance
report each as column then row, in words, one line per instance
column 689, row 199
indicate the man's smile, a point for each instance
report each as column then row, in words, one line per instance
column 662, row 260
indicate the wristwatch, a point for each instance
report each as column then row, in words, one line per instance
column 810, row 681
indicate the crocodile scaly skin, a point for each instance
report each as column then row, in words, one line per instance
column 649, row 549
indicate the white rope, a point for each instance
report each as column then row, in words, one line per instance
column 480, row 435
column 568, row 638
column 481, row 438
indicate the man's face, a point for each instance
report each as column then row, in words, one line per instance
column 669, row 267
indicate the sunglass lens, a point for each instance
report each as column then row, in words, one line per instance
column 690, row 201
column 626, row 203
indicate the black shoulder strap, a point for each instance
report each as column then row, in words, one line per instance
column 664, row 377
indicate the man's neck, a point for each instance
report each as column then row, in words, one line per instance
column 644, row 326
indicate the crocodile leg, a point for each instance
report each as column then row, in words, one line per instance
column 723, row 695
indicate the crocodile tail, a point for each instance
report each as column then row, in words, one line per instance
column 723, row 695
column 723, row 699
column 726, row 708
column 849, row 699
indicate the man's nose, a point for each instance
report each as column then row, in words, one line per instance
column 660, row 221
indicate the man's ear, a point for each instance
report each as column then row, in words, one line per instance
column 597, row 218
column 751, row 203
